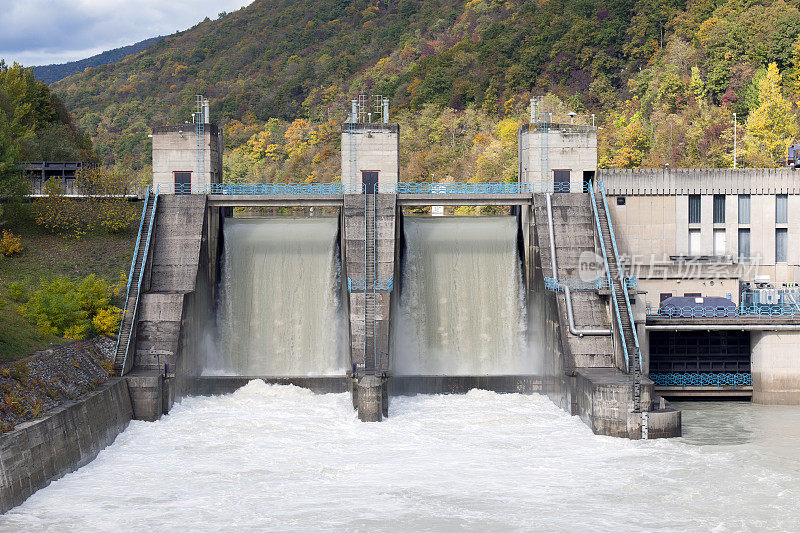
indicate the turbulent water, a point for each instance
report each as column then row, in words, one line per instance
column 278, row 457
column 461, row 308
column 280, row 312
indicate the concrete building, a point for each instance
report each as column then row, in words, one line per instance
column 559, row 155
column 370, row 154
column 187, row 156
column 37, row 173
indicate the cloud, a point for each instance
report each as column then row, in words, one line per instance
column 36, row 32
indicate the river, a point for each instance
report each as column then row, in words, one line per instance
column 281, row 458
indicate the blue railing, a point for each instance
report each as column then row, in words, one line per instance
column 399, row 188
column 702, row 379
column 360, row 285
column 619, row 268
column 608, row 280
column 133, row 266
column 601, row 283
column 691, row 311
column 139, row 281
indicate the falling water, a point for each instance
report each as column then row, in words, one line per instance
column 461, row 309
column 280, row 311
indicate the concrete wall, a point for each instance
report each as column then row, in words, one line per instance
column 377, row 147
column 38, row 452
column 775, row 366
column 569, row 147
column 354, row 261
column 175, row 150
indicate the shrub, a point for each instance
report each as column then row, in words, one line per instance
column 106, row 322
column 10, row 244
column 17, row 291
column 65, row 307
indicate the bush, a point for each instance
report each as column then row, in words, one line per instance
column 106, row 208
column 10, row 244
column 17, row 291
column 68, row 308
column 106, row 322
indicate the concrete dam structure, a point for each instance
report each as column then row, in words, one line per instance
column 380, row 302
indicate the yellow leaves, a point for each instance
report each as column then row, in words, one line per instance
column 772, row 126
column 507, row 131
column 106, row 321
column 10, row 244
column 178, row 70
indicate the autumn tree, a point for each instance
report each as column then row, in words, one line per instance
column 772, row 126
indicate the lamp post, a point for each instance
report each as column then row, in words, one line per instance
column 734, row 140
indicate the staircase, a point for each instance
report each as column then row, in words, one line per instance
column 369, row 281
column 121, row 363
column 621, row 301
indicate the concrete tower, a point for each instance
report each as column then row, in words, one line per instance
column 188, row 156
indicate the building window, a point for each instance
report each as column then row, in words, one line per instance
column 719, row 242
column 694, row 209
column 719, row 209
column 744, row 244
column 664, row 295
column 744, row 209
column 781, row 208
column 620, row 200
column 692, row 295
column 694, row 242
column 781, row 241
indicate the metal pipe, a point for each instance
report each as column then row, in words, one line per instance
column 567, row 295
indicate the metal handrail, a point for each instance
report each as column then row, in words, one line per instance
column 139, row 284
column 359, row 285
column 133, row 266
column 745, row 311
column 398, row 188
column 601, row 283
column 619, row 269
column 593, row 202
column 702, row 379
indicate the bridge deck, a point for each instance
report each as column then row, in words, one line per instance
column 275, row 200
column 464, row 199
column 723, row 323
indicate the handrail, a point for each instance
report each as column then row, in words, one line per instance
column 744, row 311
column 619, row 269
column 139, row 284
column 288, row 189
column 567, row 296
column 553, row 284
column 133, row 266
column 702, row 379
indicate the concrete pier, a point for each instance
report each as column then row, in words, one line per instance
column 775, row 367
column 370, row 390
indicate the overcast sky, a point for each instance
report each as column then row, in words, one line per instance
column 39, row 32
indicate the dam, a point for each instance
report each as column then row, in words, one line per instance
column 321, row 306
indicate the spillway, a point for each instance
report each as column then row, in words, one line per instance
column 461, row 309
column 280, row 311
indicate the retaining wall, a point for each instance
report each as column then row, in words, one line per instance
column 43, row 450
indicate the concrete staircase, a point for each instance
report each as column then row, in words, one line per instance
column 621, row 296
column 122, row 357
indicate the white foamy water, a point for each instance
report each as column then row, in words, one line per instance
column 280, row 312
column 280, row 458
column 461, row 309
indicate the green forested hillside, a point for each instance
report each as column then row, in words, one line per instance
column 663, row 78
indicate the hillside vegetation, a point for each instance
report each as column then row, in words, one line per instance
column 58, row 71
column 663, row 78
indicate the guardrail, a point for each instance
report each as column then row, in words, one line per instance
column 702, row 379
column 601, row 283
column 360, row 285
column 619, row 268
column 399, row 188
column 725, row 312
column 593, row 202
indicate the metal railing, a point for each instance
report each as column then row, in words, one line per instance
column 139, row 282
column 702, row 379
column 593, row 202
column 753, row 311
column 360, row 285
column 601, row 283
column 399, row 188
column 619, row 269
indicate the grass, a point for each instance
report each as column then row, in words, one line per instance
column 46, row 256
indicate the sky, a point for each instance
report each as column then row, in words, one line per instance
column 40, row 32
